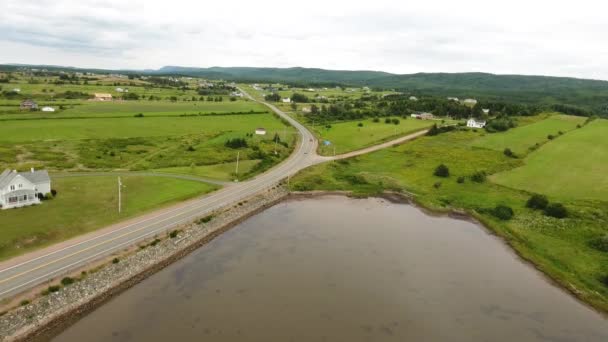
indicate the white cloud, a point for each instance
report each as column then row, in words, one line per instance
column 526, row 37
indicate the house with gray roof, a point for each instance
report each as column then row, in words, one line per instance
column 18, row 189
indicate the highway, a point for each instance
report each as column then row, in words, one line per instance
column 25, row 272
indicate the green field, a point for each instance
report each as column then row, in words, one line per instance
column 348, row 136
column 224, row 171
column 84, row 204
column 521, row 139
column 559, row 247
column 572, row 166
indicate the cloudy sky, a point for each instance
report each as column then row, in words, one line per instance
column 560, row 38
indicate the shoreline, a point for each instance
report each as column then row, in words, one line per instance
column 54, row 322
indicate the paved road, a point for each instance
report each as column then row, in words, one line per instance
column 22, row 273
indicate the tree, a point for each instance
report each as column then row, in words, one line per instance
column 556, row 210
column 442, row 171
column 274, row 97
column 479, row 177
column 314, row 109
column 537, row 202
column 509, row 153
column 433, row 131
column 299, row 98
column 502, row 212
column 360, row 124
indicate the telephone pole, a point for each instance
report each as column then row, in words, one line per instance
column 119, row 195
column 236, row 172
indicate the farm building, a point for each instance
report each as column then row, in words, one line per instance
column 18, row 189
column 469, row 102
column 28, row 104
column 102, row 97
column 306, row 110
column 286, row 100
column 475, row 124
column 260, row 131
column 486, row 111
column 48, row 109
column 413, row 98
column 120, row 90
column 423, row 116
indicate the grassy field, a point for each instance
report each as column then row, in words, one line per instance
column 84, row 204
column 348, row 136
column 224, row 171
column 559, row 247
column 574, row 165
column 520, row 140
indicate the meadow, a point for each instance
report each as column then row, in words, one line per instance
column 84, row 204
column 574, row 165
column 522, row 139
column 224, row 171
column 349, row 136
column 559, row 247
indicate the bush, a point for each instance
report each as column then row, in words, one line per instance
column 53, row 192
column 509, row 153
column 360, row 124
column 190, row 149
column 502, row 212
column 479, row 177
column 139, row 115
column 600, row 243
column 537, row 202
column 173, row 234
column 375, row 120
column 550, row 137
column 387, row 120
column 442, row 171
column 67, row 281
column 395, row 121
column 437, row 185
column 460, row 180
column 556, row 210
column 115, row 261
column 24, row 302
column 604, row 279
column 205, row 219
column 236, row 143
column 53, row 288
column 48, row 196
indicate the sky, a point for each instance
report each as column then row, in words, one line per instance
column 533, row 37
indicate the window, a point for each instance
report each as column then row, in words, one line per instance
column 12, row 199
column 12, row 187
column 20, row 186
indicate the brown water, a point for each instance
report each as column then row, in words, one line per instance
column 338, row 269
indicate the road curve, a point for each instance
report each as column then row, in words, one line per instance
column 27, row 271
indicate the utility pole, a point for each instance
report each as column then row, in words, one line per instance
column 119, row 195
column 236, row 172
column 276, row 139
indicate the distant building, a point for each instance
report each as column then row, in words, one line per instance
column 306, row 110
column 120, row 90
column 423, row 116
column 28, row 104
column 413, row 98
column 18, row 189
column 260, row 131
column 102, row 97
column 453, row 99
column 286, row 100
column 486, row 111
column 236, row 94
column 470, row 102
column 475, row 124
column 48, row 109
column 17, row 90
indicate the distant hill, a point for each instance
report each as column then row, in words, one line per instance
column 587, row 95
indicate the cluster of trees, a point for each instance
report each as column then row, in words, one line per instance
column 541, row 202
column 216, row 89
column 236, row 143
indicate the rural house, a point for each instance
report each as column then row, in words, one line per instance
column 28, row 104
column 475, row 124
column 102, row 97
column 286, row 100
column 260, row 131
column 48, row 109
column 469, row 102
column 18, row 189
column 423, row 116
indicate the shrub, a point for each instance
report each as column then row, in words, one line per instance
column 550, row 137
column 173, row 234
column 600, row 243
column 155, row 242
column 502, row 212
column 24, row 302
column 53, row 192
column 115, row 261
column 67, row 281
column 460, row 180
column 509, row 153
column 387, row 120
column 556, row 210
column 442, row 171
column 479, row 177
column 360, row 124
column 53, row 288
column 437, row 185
column 537, row 202
column 206, row 219
column 395, row 121
column 139, row 115
column 604, row 279
column 376, row 120
column 190, row 149
column 48, row 196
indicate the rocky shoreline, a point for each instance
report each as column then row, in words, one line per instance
column 52, row 312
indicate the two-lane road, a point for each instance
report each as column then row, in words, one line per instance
column 22, row 273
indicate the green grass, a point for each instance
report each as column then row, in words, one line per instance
column 84, row 204
column 348, row 136
column 572, row 166
column 558, row 247
column 521, row 139
column 224, row 171
column 128, row 127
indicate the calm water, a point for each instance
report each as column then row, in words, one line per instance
column 337, row 269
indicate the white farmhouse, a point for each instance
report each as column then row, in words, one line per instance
column 286, row 100
column 260, row 131
column 18, row 189
column 485, row 111
column 48, row 109
column 475, row 124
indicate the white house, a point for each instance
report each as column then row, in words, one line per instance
column 475, row 124
column 18, row 189
column 48, row 109
column 260, row 131
column 286, row 100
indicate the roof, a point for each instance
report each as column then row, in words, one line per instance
column 35, row 177
column 102, row 95
column 28, row 101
